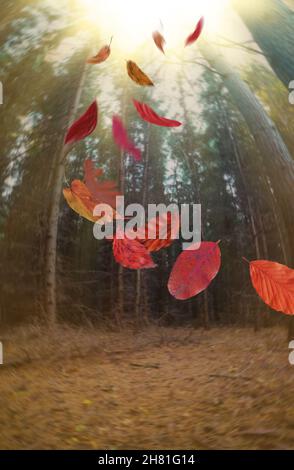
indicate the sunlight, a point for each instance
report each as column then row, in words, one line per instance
column 131, row 22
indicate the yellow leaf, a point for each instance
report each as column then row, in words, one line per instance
column 77, row 205
column 80, row 428
column 87, row 402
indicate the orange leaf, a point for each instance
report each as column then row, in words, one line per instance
column 79, row 199
column 137, row 75
column 83, row 198
column 274, row 283
column 102, row 55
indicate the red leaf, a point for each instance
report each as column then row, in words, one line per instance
column 194, row 270
column 170, row 231
column 102, row 191
column 274, row 283
column 196, row 33
column 132, row 254
column 102, row 55
column 122, row 140
column 149, row 115
column 159, row 40
column 84, row 126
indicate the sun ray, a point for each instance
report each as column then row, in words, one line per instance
column 131, row 22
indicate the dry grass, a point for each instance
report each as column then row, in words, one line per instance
column 161, row 388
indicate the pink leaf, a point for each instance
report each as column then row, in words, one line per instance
column 122, row 140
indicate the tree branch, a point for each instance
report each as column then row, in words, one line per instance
column 238, row 44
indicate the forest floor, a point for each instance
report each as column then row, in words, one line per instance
column 162, row 388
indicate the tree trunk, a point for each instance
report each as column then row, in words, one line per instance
column 276, row 159
column 120, row 309
column 51, row 238
column 119, row 313
column 271, row 24
column 140, row 279
column 278, row 223
column 138, row 298
column 285, row 238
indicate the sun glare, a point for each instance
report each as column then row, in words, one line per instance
column 131, row 22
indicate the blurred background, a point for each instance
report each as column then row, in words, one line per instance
column 233, row 155
column 214, row 159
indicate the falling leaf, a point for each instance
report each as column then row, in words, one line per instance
column 84, row 126
column 196, row 33
column 80, row 200
column 131, row 254
column 149, row 115
column 137, row 75
column 159, row 40
column 102, row 191
column 80, row 428
column 274, row 283
column 194, row 270
column 87, row 402
column 102, row 55
column 168, row 224
column 122, row 140
column 83, row 200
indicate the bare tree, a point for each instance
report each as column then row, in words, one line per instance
column 52, row 230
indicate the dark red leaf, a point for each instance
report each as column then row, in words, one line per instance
column 84, row 126
column 196, row 33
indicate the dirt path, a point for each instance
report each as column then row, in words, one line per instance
column 162, row 389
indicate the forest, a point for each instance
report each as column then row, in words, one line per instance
column 80, row 326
